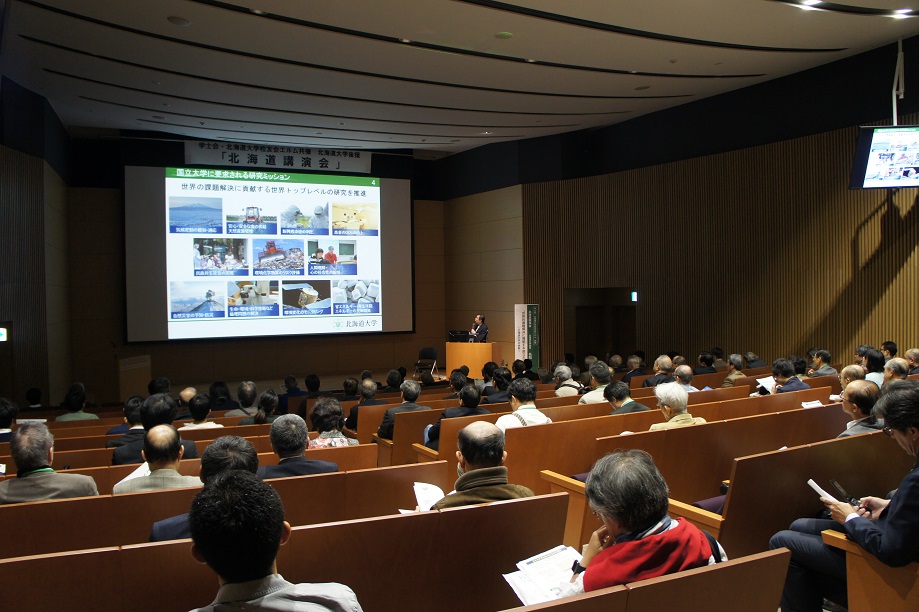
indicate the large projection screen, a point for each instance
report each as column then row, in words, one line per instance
column 241, row 254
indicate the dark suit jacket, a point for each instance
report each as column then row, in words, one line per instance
column 5, row 437
column 635, row 372
column 632, row 406
column 132, row 435
column 486, row 391
column 296, row 466
column 794, row 384
column 657, row 379
column 481, row 334
column 173, row 528
column 496, row 398
column 450, row 413
column 351, row 421
column 130, row 452
column 704, row 370
column 121, row 429
column 389, row 418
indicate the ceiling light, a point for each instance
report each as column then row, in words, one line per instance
column 405, row 40
column 179, row 21
column 903, row 11
column 504, row 35
column 810, row 2
column 486, row 133
column 257, row 11
column 531, row 61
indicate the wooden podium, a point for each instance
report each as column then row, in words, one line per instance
column 471, row 354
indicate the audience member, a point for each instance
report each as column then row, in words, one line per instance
column 800, row 366
column 289, row 439
column 564, row 385
column 673, row 400
column 268, row 409
column 349, row 390
column 889, row 350
column 293, row 390
column 365, row 374
column 328, row 419
column 33, row 399
column 873, row 362
column 683, row 376
column 488, row 371
column 457, row 382
column 159, row 385
column 8, row 412
column 200, row 407
column 860, row 352
column 75, row 402
column 886, row 529
column 783, row 371
column 469, row 397
column 222, row 455
column 848, row 374
column 313, row 385
column 162, row 451
column 185, row 396
column 617, row 394
column 246, row 393
column 528, row 370
column 718, row 358
column 135, row 428
column 896, row 368
column 663, row 372
column 912, row 357
column 588, row 362
column 393, row 381
column 822, row 367
column 237, row 525
column 368, row 390
column 638, row 539
column 159, row 409
column 753, row 360
column 32, row 449
column 220, row 397
column 599, row 378
column 483, row 477
column 522, row 398
column 705, row 364
column 634, row 368
column 735, row 370
column 858, row 400
column 410, row 392
column 502, row 379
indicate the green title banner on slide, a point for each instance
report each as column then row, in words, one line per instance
column 270, row 177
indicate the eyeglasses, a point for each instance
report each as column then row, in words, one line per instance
column 888, row 432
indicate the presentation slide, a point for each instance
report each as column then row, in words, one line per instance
column 246, row 253
column 893, row 159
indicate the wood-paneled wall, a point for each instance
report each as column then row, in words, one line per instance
column 483, row 246
column 761, row 249
column 22, row 273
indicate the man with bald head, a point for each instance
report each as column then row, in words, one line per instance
column 912, row 357
column 185, row 397
column 896, row 368
column 483, row 477
column 683, row 375
column 848, row 374
column 162, row 451
column 663, row 372
column 858, row 399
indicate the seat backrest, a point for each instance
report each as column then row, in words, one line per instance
column 428, row 353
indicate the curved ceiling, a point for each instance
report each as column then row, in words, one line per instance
column 434, row 76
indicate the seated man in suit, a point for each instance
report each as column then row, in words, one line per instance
column 289, row 439
column 673, row 400
column 663, row 372
column 135, row 402
column 246, row 392
column 483, row 477
column 158, row 409
column 32, row 448
column 783, row 371
column 501, row 379
column 162, row 451
column 896, row 368
column 705, row 364
column 135, row 429
column 185, row 396
column 633, row 365
column 822, row 365
column 222, row 455
column 410, row 392
column 457, row 382
column 8, row 412
column 912, row 357
column 293, row 390
column 735, row 370
column 599, row 378
column 858, row 400
column 368, row 390
column 753, row 360
column 469, row 397
column 237, row 524
column 618, row 395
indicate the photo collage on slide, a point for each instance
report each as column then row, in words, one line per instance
column 308, row 249
column 894, row 158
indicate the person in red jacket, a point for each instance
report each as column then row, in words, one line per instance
column 638, row 539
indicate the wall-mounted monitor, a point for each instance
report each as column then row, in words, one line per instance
column 886, row 157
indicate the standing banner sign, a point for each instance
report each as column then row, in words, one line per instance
column 526, row 332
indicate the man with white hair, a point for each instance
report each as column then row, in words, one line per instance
column 896, row 369
column 673, row 400
column 564, row 386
